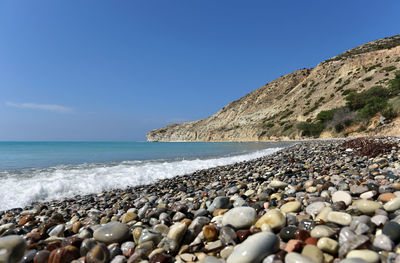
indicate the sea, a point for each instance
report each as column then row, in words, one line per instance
column 45, row 171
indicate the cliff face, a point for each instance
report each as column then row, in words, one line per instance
column 272, row 111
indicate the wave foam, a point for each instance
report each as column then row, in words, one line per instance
column 20, row 188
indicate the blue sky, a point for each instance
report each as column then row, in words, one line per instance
column 113, row 70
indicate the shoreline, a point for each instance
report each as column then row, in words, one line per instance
column 184, row 218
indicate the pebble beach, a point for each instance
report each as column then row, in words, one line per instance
column 316, row 201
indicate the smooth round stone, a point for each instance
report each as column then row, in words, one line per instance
column 367, row 195
column 314, row 253
column 365, row 254
column 113, row 232
column 367, row 206
column 277, row 184
column 275, row 218
column 322, row 231
column 341, row 196
column 392, row 230
column 383, row 242
column 314, row 208
column 41, row 256
column 340, row 218
column 323, row 215
column 255, row 248
column 288, row 233
column 12, row 248
column 386, row 197
column 328, row 245
column 294, row 257
column 291, row 207
column 239, row 217
column 392, row 205
column 119, row 259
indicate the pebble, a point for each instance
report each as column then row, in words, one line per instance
column 342, row 196
column 313, row 253
column 255, row 248
column 328, row 245
column 365, row 254
column 383, row 242
column 340, row 218
column 367, row 206
column 12, row 248
column 113, row 232
column 291, row 207
column 392, row 205
column 392, row 230
column 322, row 231
column 274, row 218
column 240, row 217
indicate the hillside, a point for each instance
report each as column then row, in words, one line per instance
column 287, row 108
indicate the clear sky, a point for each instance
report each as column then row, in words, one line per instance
column 113, row 70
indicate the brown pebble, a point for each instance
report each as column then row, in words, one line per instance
column 311, row 241
column 57, row 218
column 41, row 256
column 98, row 254
column 386, row 197
column 76, row 226
column 210, row 233
column 25, row 220
column 242, row 234
column 64, row 255
column 302, row 234
column 186, row 221
column 53, row 245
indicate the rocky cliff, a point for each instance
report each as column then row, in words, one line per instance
column 272, row 111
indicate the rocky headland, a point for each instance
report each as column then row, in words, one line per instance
column 289, row 106
column 316, row 201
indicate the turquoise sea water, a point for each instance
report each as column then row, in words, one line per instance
column 40, row 171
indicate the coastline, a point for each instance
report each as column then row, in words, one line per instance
column 185, row 217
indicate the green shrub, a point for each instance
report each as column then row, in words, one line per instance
column 374, row 67
column 394, row 85
column 268, row 125
column 373, row 105
column 368, row 79
column 389, row 68
column 326, row 115
column 356, row 101
column 287, row 127
column 310, row 129
column 339, row 127
column 389, row 113
column 287, row 114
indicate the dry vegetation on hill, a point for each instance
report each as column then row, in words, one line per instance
column 342, row 96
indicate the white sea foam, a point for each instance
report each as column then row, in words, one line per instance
column 20, row 188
